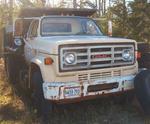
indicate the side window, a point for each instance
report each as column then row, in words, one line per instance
column 33, row 29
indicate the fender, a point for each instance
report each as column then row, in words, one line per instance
column 39, row 61
column 47, row 71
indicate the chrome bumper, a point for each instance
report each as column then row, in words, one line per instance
column 57, row 91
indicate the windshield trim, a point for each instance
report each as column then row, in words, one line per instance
column 77, row 17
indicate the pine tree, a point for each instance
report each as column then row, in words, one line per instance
column 118, row 14
column 134, row 23
column 139, row 21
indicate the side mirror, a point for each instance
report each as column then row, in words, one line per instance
column 18, row 46
column 18, row 42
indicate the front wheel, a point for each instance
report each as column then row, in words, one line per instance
column 43, row 106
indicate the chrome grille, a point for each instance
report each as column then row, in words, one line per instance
column 94, row 56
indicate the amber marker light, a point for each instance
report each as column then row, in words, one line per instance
column 48, row 61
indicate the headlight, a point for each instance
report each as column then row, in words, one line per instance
column 70, row 58
column 128, row 55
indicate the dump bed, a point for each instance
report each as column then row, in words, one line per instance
column 37, row 12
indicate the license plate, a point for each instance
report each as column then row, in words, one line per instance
column 72, row 91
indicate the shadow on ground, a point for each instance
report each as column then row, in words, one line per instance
column 8, row 112
column 99, row 111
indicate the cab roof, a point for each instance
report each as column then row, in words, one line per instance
column 38, row 12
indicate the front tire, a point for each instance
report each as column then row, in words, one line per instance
column 43, row 106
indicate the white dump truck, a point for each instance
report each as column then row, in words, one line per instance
column 62, row 56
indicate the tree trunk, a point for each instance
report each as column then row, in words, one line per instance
column 11, row 12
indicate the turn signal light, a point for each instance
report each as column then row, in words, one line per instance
column 138, row 55
column 48, row 61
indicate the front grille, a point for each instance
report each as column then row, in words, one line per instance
column 94, row 56
column 100, row 75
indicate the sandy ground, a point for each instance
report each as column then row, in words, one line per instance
column 14, row 109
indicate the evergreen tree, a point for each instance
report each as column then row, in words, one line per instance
column 119, row 15
column 139, row 20
column 132, row 21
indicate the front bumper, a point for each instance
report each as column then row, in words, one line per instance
column 59, row 91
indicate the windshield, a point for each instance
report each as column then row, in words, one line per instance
column 68, row 26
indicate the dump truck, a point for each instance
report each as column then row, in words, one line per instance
column 61, row 56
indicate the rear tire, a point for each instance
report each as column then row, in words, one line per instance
column 142, row 90
column 43, row 106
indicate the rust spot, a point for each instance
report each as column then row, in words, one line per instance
column 79, row 99
column 81, row 83
column 82, row 94
column 82, row 87
column 60, row 90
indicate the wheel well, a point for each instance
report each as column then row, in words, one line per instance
column 33, row 67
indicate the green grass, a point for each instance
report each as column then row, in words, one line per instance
column 14, row 109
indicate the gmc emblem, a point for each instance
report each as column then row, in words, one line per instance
column 101, row 56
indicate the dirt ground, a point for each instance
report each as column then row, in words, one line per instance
column 14, row 109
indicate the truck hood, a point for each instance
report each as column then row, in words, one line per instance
column 50, row 44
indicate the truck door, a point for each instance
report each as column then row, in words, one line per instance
column 30, row 46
